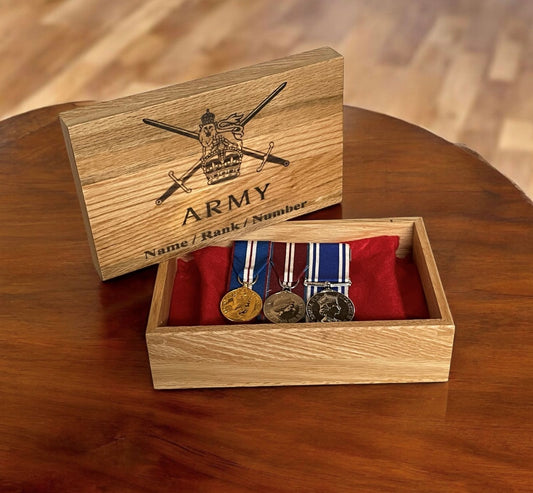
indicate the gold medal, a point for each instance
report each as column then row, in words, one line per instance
column 250, row 258
column 241, row 304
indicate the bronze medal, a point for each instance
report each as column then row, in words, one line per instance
column 241, row 305
column 330, row 306
column 284, row 307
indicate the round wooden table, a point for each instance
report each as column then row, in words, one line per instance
column 77, row 408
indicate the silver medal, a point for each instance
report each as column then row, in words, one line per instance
column 329, row 306
column 284, row 307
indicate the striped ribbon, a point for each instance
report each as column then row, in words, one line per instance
column 249, row 266
column 328, row 262
column 288, row 261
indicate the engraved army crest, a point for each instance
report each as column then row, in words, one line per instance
column 222, row 147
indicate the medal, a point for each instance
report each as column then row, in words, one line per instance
column 329, row 306
column 247, row 287
column 285, row 306
column 241, row 304
column 327, row 283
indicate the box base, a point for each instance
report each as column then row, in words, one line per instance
column 392, row 351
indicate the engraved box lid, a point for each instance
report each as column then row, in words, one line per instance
column 166, row 172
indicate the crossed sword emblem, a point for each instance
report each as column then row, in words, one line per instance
column 264, row 157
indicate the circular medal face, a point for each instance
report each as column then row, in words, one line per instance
column 241, row 305
column 284, row 307
column 330, row 306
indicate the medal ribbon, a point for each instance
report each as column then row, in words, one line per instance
column 250, row 259
column 328, row 262
column 289, row 261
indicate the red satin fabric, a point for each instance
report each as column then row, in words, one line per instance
column 384, row 287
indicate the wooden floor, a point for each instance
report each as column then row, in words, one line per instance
column 460, row 68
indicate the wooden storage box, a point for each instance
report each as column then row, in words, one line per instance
column 391, row 351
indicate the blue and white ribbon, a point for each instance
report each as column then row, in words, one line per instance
column 249, row 266
column 327, row 263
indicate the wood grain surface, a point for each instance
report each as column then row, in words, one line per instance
column 253, row 355
column 122, row 165
column 77, row 408
column 459, row 68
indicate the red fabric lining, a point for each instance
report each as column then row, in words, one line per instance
column 411, row 291
column 384, row 287
column 374, row 290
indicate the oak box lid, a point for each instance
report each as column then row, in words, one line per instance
column 165, row 172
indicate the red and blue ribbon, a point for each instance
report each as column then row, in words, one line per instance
column 249, row 266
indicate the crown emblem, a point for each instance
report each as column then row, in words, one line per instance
column 223, row 161
column 222, row 147
column 208, row 118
